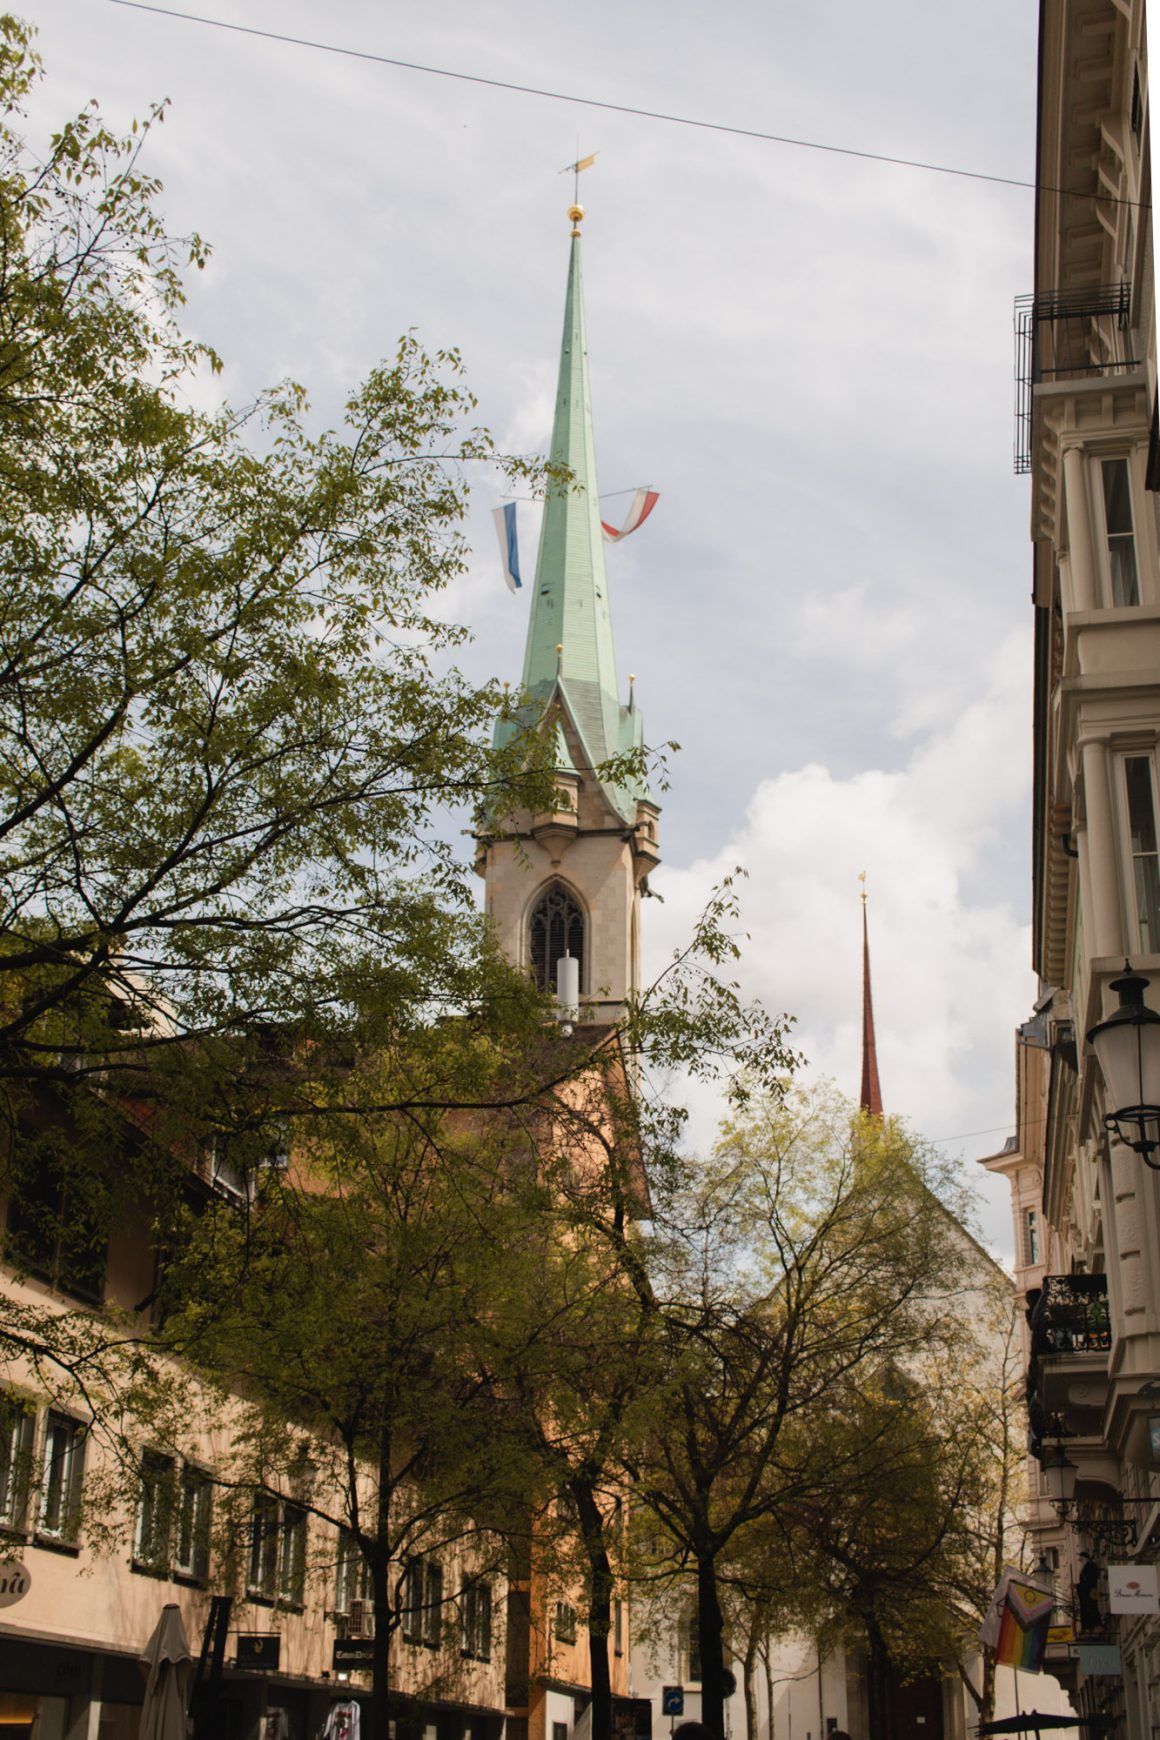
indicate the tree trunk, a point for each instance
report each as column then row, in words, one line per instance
column 767, row 1663
column 756, row 1626
column 710, row 1630
column 987, row 1701
column 378, row 1728
column 878, row 1684
column 600, row 1586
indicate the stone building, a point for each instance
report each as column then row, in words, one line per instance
column 1086, row 1201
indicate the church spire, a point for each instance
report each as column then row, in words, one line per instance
column 871, row 1100
column 566, row 883
column 569, row 651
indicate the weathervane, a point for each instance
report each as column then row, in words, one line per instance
column 576, row 210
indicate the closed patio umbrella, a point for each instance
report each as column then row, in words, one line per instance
column 167, row 1665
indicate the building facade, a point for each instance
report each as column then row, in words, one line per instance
column 1086, row 1205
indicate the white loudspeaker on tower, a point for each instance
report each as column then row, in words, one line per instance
column 568, row 986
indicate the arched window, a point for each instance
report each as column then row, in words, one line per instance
column 556, row 928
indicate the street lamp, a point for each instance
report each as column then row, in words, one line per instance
column 1127, row 1048
column 1059, row 1476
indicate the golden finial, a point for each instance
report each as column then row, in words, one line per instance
column 862, row 880
column 576, row 210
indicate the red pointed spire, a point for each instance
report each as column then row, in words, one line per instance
column 871, row 1092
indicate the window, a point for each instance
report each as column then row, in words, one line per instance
column 557, row 928
column 154, row 1512
column 62, row 1471
column 17, row 1427
column 475, row 1620
column 263, row 1577
column 51, row 1231
column 194, row 1514
column 1121, row 538
column 618, row 1627
column 292, row 1557
column 277, row 1551
column 1030, row 1235
column 1145, row 862
column 352, row 1580
column 422, row 1602
column 565, row 1622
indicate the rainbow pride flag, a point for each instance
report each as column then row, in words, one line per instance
column 1015, row 1629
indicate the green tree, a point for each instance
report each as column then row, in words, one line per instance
column 230, row 720
column 808, row 1249
column 351, row 1322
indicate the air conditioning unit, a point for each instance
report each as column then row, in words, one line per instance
column 361, row 1619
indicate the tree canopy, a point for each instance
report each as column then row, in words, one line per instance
column 230, row 716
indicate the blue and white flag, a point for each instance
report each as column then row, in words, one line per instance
column 509, row 550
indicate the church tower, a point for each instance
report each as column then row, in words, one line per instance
column 568, row 882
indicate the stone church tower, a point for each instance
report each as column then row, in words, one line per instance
column 569, row 881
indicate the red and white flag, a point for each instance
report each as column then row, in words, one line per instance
column 641, row 506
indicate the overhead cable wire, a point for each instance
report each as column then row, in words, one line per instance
column 610, row 107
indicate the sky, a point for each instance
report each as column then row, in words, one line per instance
column 809, row 354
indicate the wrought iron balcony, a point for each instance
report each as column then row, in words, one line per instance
column 1071, row 1336
column 1066, row 335
column 1071, row 1316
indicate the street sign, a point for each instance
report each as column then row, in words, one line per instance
column 15, row 1582
column 672, row 1700
column 352, row 1652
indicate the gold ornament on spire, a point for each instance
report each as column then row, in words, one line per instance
column 576, row 210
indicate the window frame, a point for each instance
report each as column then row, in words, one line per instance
column 352, row 1574
column 1102, row 461
column 565, row 1622
column 1147, row 753
column 554, row 886
column 293, row 1532
column 1031, row 1244
column 263, row 1567
column 65, row 1530
column 38, row 1224
column 193, row 1520
column 17, row 1461
column 421, row 1601
column 475, row 1620
column 156, row 1508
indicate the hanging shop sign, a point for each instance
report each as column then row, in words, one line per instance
column 260, row 1649
column 15, row 1582
column 352, row 1652
column 1133, row 1589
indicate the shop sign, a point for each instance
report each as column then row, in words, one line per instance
column 1133, row 1589
column 15, row 1582
column 352, row 1652
column 1098, row 1660
column 1061, row 1634
column 260, row 1649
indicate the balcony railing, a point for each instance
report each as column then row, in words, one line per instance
column 1066, row 335
column 1071, row 1316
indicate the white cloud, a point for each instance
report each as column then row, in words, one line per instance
column 949, row 966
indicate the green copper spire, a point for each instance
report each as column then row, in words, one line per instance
column 569, row 650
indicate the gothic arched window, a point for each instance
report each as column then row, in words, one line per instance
column 556, row 928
